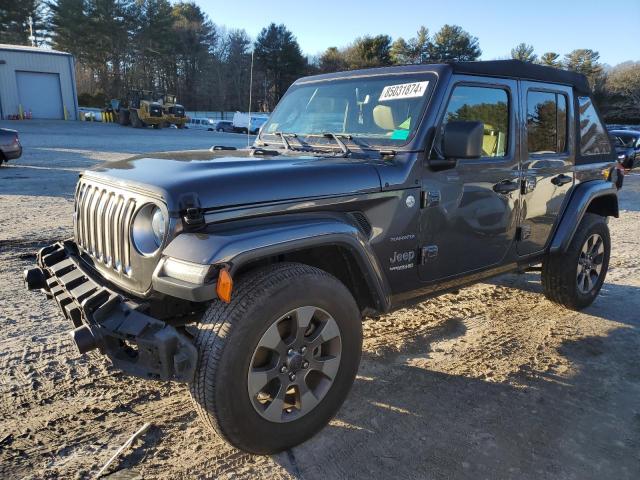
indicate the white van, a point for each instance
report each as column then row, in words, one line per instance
column 201, row 123
column 242, row 122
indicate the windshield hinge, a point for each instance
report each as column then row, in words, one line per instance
column 194, row 217
column 387, row 154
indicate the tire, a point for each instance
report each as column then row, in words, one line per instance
column 135, row 119
column 227, row 341
column 563, row 279
column 124, row 117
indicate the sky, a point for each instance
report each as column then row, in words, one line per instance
column 611, row 28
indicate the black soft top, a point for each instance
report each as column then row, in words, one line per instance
column 494, row 68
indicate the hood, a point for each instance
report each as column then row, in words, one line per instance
column 223, row 179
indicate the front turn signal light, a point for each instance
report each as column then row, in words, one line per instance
column 224, row 286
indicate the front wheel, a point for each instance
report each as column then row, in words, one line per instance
column 574, row 279
column 277, row 362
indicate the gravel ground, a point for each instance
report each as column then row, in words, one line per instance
column 495, row 382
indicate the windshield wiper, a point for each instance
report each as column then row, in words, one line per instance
column 337, row 137
column 285, row 142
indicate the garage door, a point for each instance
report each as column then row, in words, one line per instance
column 40, row 93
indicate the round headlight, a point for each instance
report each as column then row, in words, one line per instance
column 149, row 229
column 158, row 226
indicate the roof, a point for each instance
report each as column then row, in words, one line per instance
column 493, row 68
column 27, row 49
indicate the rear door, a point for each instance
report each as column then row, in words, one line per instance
column 548, row 157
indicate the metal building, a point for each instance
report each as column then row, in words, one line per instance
column 38, row 82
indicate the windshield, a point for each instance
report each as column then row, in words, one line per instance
column 383, row 110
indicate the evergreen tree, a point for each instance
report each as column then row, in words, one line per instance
column 278, row 55
column 524, row 53
column 585, row 61
column 68, row 23
column 14, row 21
column 369, row 51
column 550, row 59
column 332, row 60
column 452, row 43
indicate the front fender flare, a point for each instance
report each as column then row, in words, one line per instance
column 236, row 245
column 581, row 198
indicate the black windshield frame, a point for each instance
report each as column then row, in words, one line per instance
column 373, row 142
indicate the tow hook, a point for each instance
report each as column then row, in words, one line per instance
column 34, row 279
column 84, row 339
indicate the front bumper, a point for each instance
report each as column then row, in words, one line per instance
column 136, row 343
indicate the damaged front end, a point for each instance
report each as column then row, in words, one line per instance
column 107, row 320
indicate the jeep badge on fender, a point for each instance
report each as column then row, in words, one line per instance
column 246, row 273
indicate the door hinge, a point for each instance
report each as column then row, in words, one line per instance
column 428, row 254
column 523, row 232
column 429, row 199
column 528, row 184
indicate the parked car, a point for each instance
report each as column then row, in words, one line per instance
column 627, row 143
column 201, row 124
column 10, row 147
column 246, row 274
column 224, row 126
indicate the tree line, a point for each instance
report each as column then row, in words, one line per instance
column 176, row 48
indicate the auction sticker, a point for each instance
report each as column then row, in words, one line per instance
column 404, row 90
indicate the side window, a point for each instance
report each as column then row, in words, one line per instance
column 546, row 122
column 593, row 137
column 489, row 105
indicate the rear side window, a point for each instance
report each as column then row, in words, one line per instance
column 546, row 122
column 593, row 136
column 488, row 105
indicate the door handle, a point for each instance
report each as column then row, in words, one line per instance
column 506, row 186
column 561, row 179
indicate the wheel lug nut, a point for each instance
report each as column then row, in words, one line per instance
column 292, row 376
column 305, row 364
column 283, row 368
column 303, row 349
column 290, row 351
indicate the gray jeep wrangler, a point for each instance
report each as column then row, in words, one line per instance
column 246, row 273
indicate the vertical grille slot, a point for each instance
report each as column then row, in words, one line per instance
column 102, row 225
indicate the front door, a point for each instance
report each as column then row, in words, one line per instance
column 547, row 161
column 469, row 215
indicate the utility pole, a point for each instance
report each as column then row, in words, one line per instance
column 31, row 35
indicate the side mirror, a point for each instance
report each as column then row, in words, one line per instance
column 460, row 140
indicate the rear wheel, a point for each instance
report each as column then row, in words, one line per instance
column 277, row 362
column 574, row 279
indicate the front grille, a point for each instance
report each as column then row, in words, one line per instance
column 102, row 224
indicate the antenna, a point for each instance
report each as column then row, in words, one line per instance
column 250, row 85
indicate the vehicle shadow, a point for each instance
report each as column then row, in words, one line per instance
column 405, row 420
column 610, row 292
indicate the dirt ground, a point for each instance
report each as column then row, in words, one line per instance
column 495, row 382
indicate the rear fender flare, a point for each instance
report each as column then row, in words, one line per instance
column 582, row 197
